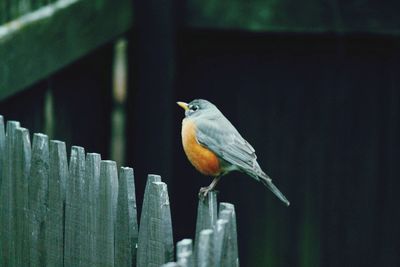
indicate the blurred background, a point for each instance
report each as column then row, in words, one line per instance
column 313, row 86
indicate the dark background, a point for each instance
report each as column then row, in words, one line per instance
column 318, row 98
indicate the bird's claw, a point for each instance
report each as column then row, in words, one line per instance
column 204, row 192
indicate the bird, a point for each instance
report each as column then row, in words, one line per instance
column 215, row 148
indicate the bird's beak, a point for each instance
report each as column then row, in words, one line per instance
column 183, row 105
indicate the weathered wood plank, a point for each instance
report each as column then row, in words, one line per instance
column 68, row 29
column 292, row 16
column 220, row 244
column 21, row 207
column 2, row 147
column 230, row 254
column 74, row 211
column 205, row 253
column 207, row 214
column 171, row 264
column 38, row 199
column 155, row 243
column 126, row 228
column 7, row 198
column 92, row 179
column 184, row 253
column 106, row 211
column 58, row 169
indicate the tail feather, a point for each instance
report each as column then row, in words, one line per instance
column 268, row 183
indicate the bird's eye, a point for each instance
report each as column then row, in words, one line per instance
column 194, row 107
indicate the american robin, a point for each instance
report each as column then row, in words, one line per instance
column 215, row 148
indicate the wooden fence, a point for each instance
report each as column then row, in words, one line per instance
column 83, row 213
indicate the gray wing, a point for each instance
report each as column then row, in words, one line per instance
column 225, row 141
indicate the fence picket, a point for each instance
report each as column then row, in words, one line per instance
column 207, row 213
column 92, row 178
column 7, row 257
column 155, row 243
column 171, row 264
column 22, row 172
column 230, row 257
column 2, row 147
column 205, row 253
column 106, row 210
column 220, row 244
column 80, row 214
column 126, row 228
column 74, row 212
column 184, row 253
column 38, row 188
column 58, row 166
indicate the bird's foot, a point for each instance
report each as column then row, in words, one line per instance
column 204, row 191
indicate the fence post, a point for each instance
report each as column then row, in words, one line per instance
column 205, row 253
column 7, row 198
column 38, row 189
column 184, row 253
column 155, row 243
column 230, row 255
column 74, row 232
column 126, row 228
column 58, row 166
column 22, row 169
column 106, row 210
column 92, row 178
column 207, row 213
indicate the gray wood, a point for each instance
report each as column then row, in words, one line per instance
column 207, row 213
column 171, row 264
column 38, row 198
column 230, row 255
column 54, row 237
column 126, row 228
column 2, row 147
column 184, row 253
column 68, row 29
column 22, row 172
column 155, row 243
column 220, row 244
column 92, row 178
column 7, row 198
column 106, row 211
column 75, row 225
column 292, row 16
column 205, row 253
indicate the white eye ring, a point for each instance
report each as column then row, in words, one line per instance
column 194, row 107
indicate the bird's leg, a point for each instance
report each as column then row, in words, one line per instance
column 204, row 190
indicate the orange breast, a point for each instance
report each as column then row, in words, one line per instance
column 204, row 160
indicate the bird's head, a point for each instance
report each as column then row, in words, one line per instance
column 198, row 107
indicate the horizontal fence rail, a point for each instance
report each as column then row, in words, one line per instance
column 82, row 212
column 68, row 29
